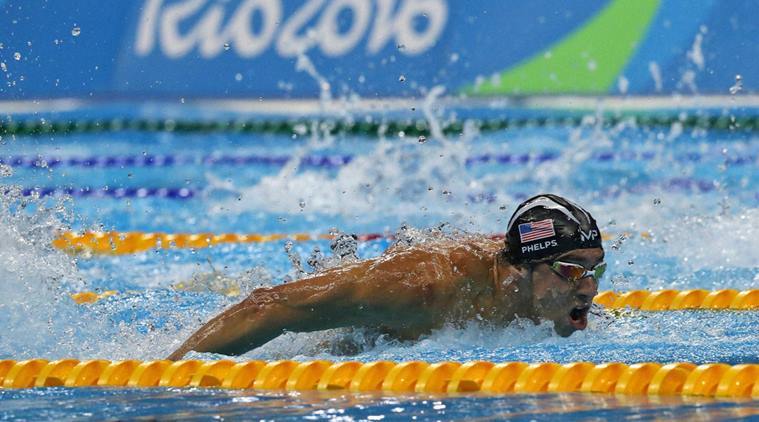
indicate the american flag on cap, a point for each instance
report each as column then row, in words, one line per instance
column 536, row 230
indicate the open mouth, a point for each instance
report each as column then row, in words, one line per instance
column 578, row 317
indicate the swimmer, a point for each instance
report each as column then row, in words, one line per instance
column 548, row 270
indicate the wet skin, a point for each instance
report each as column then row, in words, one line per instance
column 406, row 293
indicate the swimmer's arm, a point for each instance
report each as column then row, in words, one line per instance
column 319, row 302
column 388, row 291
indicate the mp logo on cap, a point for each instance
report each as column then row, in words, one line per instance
column 591, row 235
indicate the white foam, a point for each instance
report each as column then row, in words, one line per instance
column 34, row 277
column 417, row 178
column 716, row 241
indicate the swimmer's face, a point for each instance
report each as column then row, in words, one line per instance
column 561, row 301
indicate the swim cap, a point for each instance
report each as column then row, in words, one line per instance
column 546, row 226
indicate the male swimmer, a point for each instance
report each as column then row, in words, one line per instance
column 548, row 270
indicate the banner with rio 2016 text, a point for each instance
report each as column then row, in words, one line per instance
column 171, row 49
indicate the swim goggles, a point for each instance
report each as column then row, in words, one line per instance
column 574, row 272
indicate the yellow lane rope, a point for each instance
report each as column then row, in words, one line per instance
column 644, row 300
column 122, row 243
column 710, row 380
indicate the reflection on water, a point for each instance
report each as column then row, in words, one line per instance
column 178, row 404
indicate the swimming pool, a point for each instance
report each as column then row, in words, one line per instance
column 678, row 203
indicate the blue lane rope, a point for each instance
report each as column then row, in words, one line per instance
column 118, row 193
column 171, row 160
column 678, row 184
column 329, row 161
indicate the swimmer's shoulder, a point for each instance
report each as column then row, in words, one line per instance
column 481, row 247
column 465, row 254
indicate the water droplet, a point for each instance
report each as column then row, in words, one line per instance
column 76, row 31
column 630, row 262
column 3, row 67
column 5, row 171
column 344, row 246
column 401, row 134
column 316, row 259
column 227, row 46
column 238, row 77
column 657, row 201
column 402, row 78
column 17, row 56
column 738, row 85
column 302, row 204
column 422, row 139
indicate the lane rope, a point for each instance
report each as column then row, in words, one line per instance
column 106, row 192
column 335, row 161
column 169, row 160
column 651, row 378
column 677, row 184
column 644, row 300
column 42, row 126
column 122, row 243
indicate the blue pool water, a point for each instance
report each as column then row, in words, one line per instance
column 695, row 194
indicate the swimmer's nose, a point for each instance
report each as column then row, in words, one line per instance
column 587, row 289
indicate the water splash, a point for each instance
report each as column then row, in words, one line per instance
column 719, row 243
column 431, row 172
column 695, row 54
column 34, row 308
column 655, row 71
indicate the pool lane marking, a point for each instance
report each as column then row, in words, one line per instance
column 644, row 300
column 122, row 243
column 335, row 161
column 107, row 192
column 676, row 184
column 377, row 127
column 649, row 378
